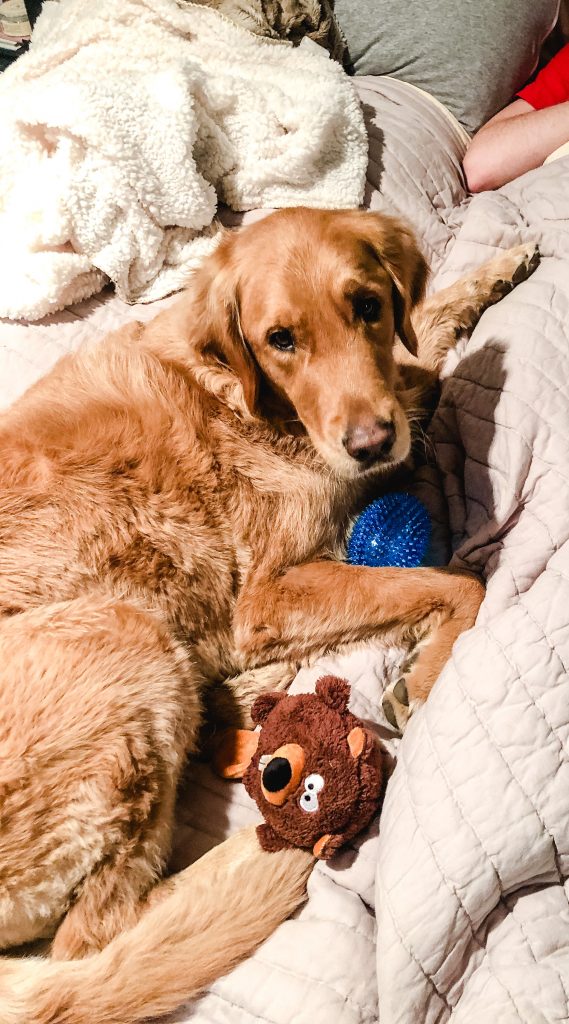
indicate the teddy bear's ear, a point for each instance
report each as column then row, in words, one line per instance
column 264, row 705
column 334, row 692
column 356, row 741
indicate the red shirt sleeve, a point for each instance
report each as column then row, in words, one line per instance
column 551, row 85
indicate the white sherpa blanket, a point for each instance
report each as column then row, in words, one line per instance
column 126, row 123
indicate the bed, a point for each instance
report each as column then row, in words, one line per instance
column 454, row 906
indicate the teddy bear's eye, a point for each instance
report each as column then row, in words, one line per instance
column 313, row 785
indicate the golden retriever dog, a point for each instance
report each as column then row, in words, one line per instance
column 174, row 504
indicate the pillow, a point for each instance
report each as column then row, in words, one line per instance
column 472, row 55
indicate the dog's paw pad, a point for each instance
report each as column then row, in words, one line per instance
column 503, row 287
column 528, row 264
column 400, row 692
column 395, row 705
column 511, row 268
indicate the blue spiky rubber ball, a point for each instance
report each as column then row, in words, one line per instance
column 394, row 530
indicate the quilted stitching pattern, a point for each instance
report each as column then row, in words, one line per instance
column 474, row 852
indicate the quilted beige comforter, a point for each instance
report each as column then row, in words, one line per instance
column 457, row 909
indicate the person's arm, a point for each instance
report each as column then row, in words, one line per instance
column 516, row 140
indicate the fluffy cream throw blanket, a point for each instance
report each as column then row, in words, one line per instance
column 127, row 122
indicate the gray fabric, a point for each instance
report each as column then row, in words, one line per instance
column 472, row 55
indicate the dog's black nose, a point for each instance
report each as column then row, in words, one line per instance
column 370, row 442
column 277, row 774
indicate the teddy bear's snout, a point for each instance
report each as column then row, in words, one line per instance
column 281, row 772
column 277, row 774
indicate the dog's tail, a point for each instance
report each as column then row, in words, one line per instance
column 210, row 916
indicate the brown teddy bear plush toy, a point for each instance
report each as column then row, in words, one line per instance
column 316, row 774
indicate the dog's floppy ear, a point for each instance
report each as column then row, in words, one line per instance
column 223, row 363
column 395, row 246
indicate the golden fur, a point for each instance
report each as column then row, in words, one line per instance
column 173, row 503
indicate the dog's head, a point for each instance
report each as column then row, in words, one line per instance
column 309, row 302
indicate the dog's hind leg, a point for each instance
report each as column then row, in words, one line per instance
column 200, row 924
column 99, row 707
column 112, row 897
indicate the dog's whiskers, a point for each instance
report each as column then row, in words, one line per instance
column 419, row 435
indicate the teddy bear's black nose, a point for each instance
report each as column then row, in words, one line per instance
column 277, row 774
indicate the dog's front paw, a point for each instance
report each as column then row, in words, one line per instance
column 396, row 707
column 511, row 268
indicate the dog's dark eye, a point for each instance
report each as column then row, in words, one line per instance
column 282, row 340
column 367, row 308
